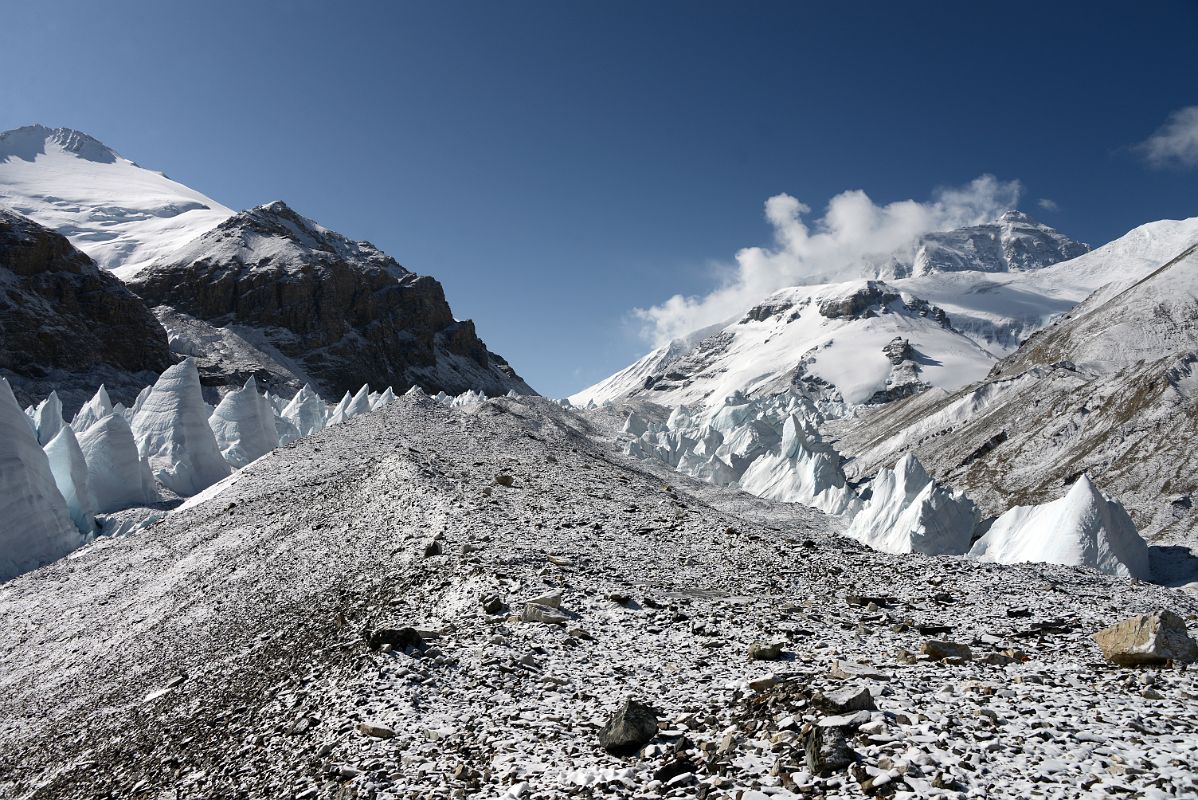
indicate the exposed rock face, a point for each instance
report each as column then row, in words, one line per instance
column 343, row 311
column 1148, row 640
column 66, row 325
column 876, row 297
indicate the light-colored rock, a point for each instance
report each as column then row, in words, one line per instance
column 1148, row 640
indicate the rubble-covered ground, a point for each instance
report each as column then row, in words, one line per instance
column 343, row 621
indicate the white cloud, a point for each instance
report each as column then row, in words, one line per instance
column 1175, row 143
column 852, row 230
column 1047, row 204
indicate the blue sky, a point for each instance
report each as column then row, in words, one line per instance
column 557, row 165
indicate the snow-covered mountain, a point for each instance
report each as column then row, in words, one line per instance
column 336, row 312
column 66, row 325
column 1012, row 243
column 1109, row 390
column 121, row 214
column 941, row 314
column 263, row 293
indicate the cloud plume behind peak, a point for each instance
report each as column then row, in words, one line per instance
column 839, row 245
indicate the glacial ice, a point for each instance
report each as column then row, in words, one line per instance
column 35, row 526
column 47, row 418
column 359, row 404
column 383, row 399
column 1084, row 528
column 116, row 473
column 766, row 446
column 908, row 512
column 337, row 414
column 802, row 470
column 172, row 432
column 92, row 411
column 244, row 425
column 69, row 468
column 306, row 411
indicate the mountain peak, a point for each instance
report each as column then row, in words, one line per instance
column 122, row 215
column 30, row 141
column 1014, row 215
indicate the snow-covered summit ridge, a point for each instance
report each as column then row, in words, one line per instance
column 275, row 235
column 991, row 286
column 119, row 213
column 1012, row 243
column 30, row 141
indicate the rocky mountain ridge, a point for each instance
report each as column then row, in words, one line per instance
column 263, row 293
column 343, row 311
column 67, row 325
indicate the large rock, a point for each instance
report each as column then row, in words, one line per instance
column 343, row 311
column 1147, row 640
column 67, row 325
column 629, row 729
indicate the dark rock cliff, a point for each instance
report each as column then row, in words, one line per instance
column 66, row 325
column 343, row 312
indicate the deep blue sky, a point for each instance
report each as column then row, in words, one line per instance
column 557, row 164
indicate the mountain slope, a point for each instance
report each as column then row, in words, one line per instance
column 1110, row 390
column 985, row 288
column 342, row 311
column 226, row 652
column 66, row 325
column 122, row 215
column 1012, row 243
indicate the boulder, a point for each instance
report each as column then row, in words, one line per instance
column 629, row 729
column 1148, row 640
column 938, row 650
column 760, row 651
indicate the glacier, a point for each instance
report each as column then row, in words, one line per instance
column 908, row 512
column 92, row 411
column 116, row 473
column 306, row 411
column 172, row 432
column 1085, row 528
column 69, row 467
column 35, row 526
column 244, row 425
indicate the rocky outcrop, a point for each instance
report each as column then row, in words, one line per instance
column 876, row 297
column 343, row 312
column 67, row 325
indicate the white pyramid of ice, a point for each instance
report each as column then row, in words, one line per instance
column 1085, row 528
column 244, row 425
column 69, row 467
column 908, row 512
column 383, row 399
column 116, row 473
column 306, row 411
column 35, row 527
column 359, row 404
column 802, row 470
column 340, row 412
column 92, row 411
column 47, row 418
column 172, row 433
